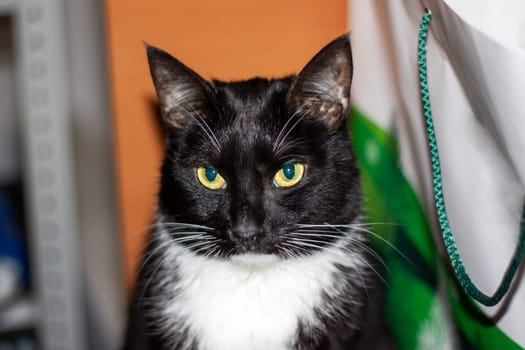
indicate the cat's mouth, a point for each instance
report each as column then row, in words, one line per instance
column 254, row 259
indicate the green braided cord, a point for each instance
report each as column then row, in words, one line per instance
column 448, row 238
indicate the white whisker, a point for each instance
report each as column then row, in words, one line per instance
column 330, row 234
column 149, row 280
column 294, row 246
column 213, row 136
column 199, row 244
column 207, row 246
column 304, row 244
column 183, row 224
column 371, row 267
column 191, row 238
column 361, row 227
column 363, row 282
column 388, row 244
column 278, row 139
column 203, row 125
column 323, row 244
column 150, row 254
column 301, row 117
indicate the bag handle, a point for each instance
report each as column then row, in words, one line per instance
column 448, row 239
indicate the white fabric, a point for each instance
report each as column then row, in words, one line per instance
column 476, row 68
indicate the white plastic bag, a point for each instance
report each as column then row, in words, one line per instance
column 476, row 71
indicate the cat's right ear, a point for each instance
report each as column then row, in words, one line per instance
column 322, row 89
column 181, row 92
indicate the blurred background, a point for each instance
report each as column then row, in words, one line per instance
column 80, row 147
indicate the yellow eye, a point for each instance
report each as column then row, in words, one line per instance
column 289, row 175
column 210, row 178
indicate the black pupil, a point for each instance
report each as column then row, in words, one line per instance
column 289, row 171
column 211, row 173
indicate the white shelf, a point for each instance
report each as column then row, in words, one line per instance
column 44, row 106
column 67, row 178
column 21, row 315
column 7, row 7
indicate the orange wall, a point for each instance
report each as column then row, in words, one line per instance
column 225, row 39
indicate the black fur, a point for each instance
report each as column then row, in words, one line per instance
column 247, row 130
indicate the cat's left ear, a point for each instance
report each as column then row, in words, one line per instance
column 322, row 89
column 181, row 92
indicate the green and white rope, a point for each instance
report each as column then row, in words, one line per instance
column 448, row 238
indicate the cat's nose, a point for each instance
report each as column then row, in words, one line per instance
column 246, row 235
column 246, row 226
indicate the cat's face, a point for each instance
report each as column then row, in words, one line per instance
column 257, row 167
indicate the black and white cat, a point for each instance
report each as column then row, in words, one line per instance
column 258, row 242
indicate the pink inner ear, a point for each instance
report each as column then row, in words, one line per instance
column 330, row 112
column 325, row 94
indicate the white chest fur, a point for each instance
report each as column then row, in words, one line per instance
column 236, row 305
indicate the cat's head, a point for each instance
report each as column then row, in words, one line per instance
column 257, row 167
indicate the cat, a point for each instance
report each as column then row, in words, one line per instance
column 258, row 241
